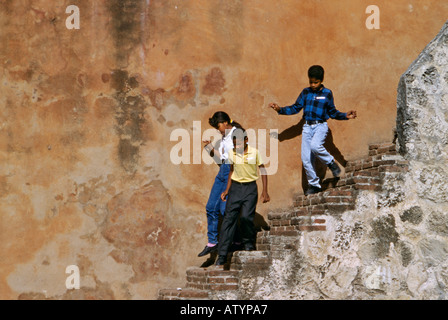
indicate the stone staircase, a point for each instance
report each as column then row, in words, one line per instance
column 308, row 214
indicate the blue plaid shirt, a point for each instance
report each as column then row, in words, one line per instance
column 316, row 105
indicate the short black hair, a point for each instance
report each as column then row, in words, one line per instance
column 316, row 72
column 239, row 133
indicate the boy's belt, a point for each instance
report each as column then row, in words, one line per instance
column 243, row 183
column 314, row 121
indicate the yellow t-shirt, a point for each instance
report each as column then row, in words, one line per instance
column 245, row 167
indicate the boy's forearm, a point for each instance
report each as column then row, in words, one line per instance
column 264, row 178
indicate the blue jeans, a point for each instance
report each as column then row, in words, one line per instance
column 215, row 206
column 313, row 138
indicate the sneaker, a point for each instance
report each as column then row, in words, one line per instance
column 335, row 169
column 221, row 260
column 312, row 190
column 208, row 250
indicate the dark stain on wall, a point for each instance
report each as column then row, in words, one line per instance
column 182, row 94
column 126, row 16
column 126, row 30
column 129, row 116
column 185, row 89
column 157, row 97
column 214, row 82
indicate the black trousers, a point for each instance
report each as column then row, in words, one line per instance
column 241, row 202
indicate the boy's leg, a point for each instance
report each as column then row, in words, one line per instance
column 229, row 223
column 250, row 193
column 317, row 144
column 307, row 156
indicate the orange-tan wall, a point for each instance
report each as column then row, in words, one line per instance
column 86, row 118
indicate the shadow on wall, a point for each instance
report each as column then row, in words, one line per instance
column 295, row 131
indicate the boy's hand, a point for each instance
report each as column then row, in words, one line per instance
column 265, row 197
column 274, row 106
column 351, row 114
column 224, row 195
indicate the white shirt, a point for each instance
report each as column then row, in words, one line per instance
column 226, row 145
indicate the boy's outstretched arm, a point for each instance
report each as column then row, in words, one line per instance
column 264, row 179
column 292, row 109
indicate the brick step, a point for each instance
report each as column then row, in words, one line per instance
column 379, row 155
column 276, row 241
column 201, row 282
column 319, row 202
column 310, row 212
column 251, row 260
column 183, row 294
column 382, row 148
column 217, row 280
column 299, row 220
column 367, row 174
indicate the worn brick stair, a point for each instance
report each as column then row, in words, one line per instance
column 308, row 214
column 200, row 282
column 339, row 195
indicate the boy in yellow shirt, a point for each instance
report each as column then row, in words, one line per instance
column 242, row 195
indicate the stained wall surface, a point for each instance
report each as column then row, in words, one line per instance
column 87, row 120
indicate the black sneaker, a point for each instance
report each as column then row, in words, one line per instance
column 312, row 190
column 335, row 169
column 208, row 250
column 221, row 260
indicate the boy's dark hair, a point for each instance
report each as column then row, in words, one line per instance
column 239, row 133
column 316, row 72
column 220, row 117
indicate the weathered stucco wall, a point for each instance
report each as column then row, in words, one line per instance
column 86, row 117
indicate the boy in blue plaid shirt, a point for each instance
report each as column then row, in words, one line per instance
column 318, row 106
